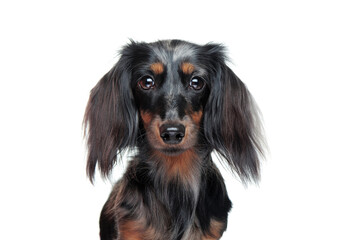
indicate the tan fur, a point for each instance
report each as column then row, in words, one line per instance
column 157, row 68
column 197, row 116
column 131, row 230
column 146, row 117
column 187, row 68
column 215, row 230
column 181, row 165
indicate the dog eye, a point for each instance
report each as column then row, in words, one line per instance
column 146, row 83
column 197, row 83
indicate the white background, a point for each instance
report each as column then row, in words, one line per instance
column 292, row 55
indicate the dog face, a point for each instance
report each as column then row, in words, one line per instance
column 173, row 97
column 171, row 91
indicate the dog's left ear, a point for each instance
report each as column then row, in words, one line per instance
column 111, row 119
column 233, row 126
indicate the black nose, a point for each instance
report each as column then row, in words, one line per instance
column 172, row 133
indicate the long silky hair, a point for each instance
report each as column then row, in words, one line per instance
column 231, row 124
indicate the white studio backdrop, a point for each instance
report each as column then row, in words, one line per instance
column 291, row 54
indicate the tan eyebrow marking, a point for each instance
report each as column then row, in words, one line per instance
column 157, row 68
column 187, row 68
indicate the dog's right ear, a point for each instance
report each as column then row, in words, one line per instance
column 111, row 120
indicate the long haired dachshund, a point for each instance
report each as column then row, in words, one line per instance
column 172, row 103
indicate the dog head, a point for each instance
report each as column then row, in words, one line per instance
column 171, row 97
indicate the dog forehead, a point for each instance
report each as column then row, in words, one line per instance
column 185, row 51
column 170, row 54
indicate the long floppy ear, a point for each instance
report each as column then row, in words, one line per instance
column 111, row 120
column 235, row 129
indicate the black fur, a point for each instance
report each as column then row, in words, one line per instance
column 171, row 189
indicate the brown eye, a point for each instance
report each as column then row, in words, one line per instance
column 197, row 83
column 146, row 83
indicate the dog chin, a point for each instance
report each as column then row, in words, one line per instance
column 172, row 151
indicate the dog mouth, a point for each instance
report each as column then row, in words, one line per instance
column 170, row 138
column 172, row 151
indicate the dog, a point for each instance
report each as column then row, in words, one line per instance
column 171, row 103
